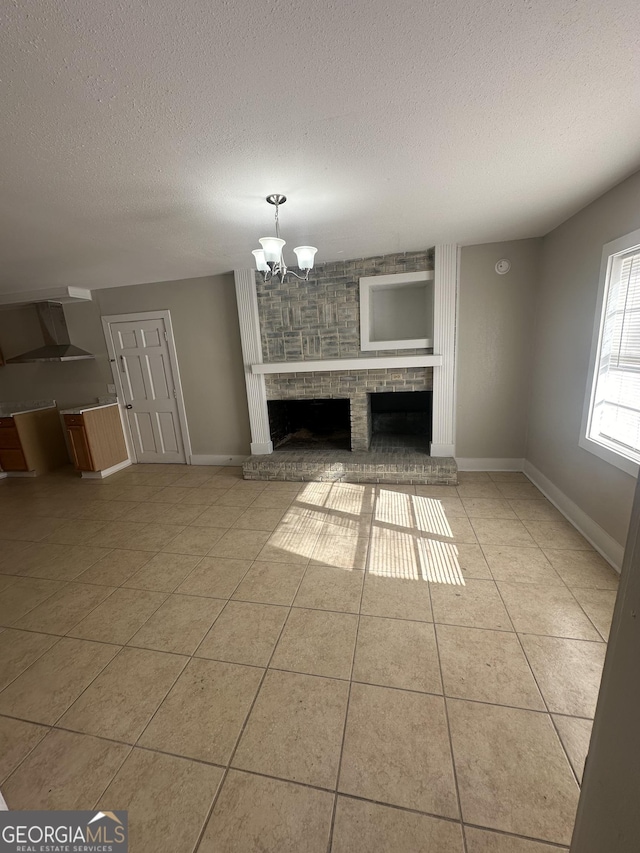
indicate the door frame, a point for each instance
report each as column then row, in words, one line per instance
column 165, row 315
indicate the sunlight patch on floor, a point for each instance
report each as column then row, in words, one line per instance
column 394, row 508
column 405, row 539
column 393, row 556
column 314, row 494
column 430, row 516
column 342, row 525
column 439, row 562
column 350, row 498
column 303, row 519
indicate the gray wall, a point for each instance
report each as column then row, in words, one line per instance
column 207, row 337
column 570, row 268
column 495, row 337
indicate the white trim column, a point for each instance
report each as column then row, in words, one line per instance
column 445, row 297
column 252, row 354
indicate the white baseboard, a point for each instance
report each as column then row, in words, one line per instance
column 21, row 473
column 612, row 551
column 100, row 475
column 486, row 463
column 3, row 474
column 213, row 459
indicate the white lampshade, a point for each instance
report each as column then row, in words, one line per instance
column 261, row 264
column 272, row 249
column 305, row 255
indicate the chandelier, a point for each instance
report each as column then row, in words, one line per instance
column 269, row 259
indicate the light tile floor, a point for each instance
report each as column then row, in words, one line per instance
column 286, row 666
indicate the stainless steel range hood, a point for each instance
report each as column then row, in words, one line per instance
column 57, row 346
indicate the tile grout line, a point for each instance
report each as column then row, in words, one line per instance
column 599, row 641
column 75, row 625
column 228, row 767
column 445, row 695
column 44, row 600
column 128, row 643
column 595, row 627
column 190, row 657
column 563, row 585
column 394, row 806
column 549, row 712
column 450, row 738
column 53, row 726
column 353, row 661
column 109, row 662
column 506, row 834
column 544, row 700
column 29, row 752
column 97, row 675
column 118, row 769
column 70, row 636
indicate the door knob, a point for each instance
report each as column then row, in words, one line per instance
column 128, row 406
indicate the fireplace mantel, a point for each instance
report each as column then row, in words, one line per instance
column 329, row 365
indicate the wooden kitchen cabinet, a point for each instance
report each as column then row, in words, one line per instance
column 82, row 460
column 12, row 460
column 96, row 438
column 11, row 455
column 32, row 441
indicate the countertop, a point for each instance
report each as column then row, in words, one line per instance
column 78, row 410
column 8, row 410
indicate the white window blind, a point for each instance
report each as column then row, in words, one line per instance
column 615, row 405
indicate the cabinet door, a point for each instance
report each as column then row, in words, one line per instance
column 80, row 447
column 13, row 460
column 9, row 438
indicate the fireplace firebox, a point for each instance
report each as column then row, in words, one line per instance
column 401, row 420
column 310, row 424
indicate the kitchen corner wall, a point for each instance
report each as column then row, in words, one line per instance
column 69, row 383
column 496, row 315
column 207, row 338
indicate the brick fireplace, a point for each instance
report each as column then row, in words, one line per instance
column 302, row 342
column 355, row 386
column 319, row 320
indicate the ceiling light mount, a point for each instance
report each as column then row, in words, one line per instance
column 269, row 259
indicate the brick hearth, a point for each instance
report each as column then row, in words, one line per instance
column 353, row 467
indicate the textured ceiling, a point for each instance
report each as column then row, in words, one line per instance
column 139, row 138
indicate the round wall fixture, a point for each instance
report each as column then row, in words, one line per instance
column 503, row 266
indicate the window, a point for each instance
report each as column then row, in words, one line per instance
column 611, row 425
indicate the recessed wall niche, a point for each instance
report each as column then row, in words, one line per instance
column 396, row 311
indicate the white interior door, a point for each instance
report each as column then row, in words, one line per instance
column 150, row 388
